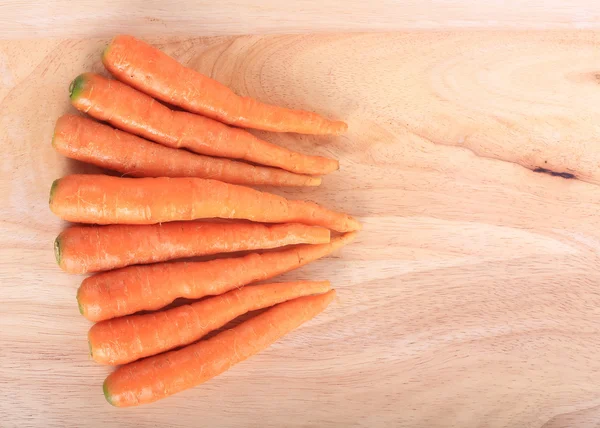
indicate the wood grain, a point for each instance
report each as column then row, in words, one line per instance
column 103, row 18
column 469, row 300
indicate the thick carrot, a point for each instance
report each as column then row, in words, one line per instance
column 103, row 199
column 163, row 375
column 135, row 112
column 126, row 339
column 89, row 141
column 154, row 72
column 135, row 288
column 82, row 249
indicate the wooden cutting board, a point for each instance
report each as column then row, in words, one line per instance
column 470, row 298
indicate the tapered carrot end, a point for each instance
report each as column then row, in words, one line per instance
column 327, row 166
column 349, row 237
column 313, row 287
column 336, row 165
column 314, row 181
column 325, row 287
column 326, row 283
column 349, row 224
column 331, row 127
column 345, row 239
column 76, row 87
column 107, row 394
column 355, row 224
column 328, row 297
column 339, row 127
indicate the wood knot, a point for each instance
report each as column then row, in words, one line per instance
column 566, row 175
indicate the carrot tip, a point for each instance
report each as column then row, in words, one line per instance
column 76, row 87
column 57, row 252
column 316, row 181
column 53, row 190
column 107, row 393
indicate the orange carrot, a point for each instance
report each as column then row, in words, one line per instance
column 89, row 141
column 136, row 112
column 154, row 72
column 135, row 288
column 82, row 249
column 163, row 375
column 104, row 199
column 126, row 339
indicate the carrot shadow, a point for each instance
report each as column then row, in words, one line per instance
column 77, row 167
column 233, row 323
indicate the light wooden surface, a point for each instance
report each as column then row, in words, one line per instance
column 103, row 18
column 469, row 300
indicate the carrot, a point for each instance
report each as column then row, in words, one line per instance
column 126, row 339
column 135, row 288
column 83, row 249
column 154, row 72
column 89, row 141
column 163, row 375
column 104, row 199
column 137, row 113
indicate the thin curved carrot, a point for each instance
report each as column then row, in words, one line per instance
column 136, row 288
column 154, row 72
column 89, row 141
column 135, row 112
column 166, row 374
column 126, row 339
column 83, row 249
column 103, row 199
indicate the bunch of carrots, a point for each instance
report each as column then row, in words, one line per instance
column 136, row 226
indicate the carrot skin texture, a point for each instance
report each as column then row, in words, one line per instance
column 160, row 376
column 135, row 112
column 83, row 249
column 103, row 199
column 136, row 288
column 88, row 141
column 126, row 339
column 154, row 72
